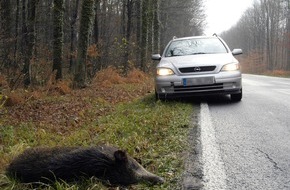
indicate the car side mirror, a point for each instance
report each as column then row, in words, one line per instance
column 156, row 57
column 237, row 51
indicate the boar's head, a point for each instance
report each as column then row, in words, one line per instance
column 128, row 171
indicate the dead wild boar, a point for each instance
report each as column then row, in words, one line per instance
column 107, row 163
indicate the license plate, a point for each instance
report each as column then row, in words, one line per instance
column 197, row 81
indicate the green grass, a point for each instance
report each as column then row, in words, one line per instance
column 154, row 132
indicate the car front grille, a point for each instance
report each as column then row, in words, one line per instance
column 199, row 88
column 197, row 69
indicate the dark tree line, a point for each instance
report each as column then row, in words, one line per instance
column 40, row 38
column 264, row 34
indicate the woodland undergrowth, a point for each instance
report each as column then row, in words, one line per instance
column 113, row 109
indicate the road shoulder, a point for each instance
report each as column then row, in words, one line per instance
column 192, row 177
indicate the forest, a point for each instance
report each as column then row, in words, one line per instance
column 76, row 38
column 263, row 32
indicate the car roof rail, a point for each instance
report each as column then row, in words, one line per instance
column 214, row 34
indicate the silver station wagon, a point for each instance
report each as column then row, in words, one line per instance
column 196, row 66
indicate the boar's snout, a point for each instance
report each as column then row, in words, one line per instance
column 148, row 177
column 154, row 179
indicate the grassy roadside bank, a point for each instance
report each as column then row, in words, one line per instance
column 153, row 132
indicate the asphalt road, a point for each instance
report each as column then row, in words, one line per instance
column 246, row 145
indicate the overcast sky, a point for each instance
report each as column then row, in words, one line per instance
column 222, row 14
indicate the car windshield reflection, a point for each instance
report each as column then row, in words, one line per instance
column 195, row 47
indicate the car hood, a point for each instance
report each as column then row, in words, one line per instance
column 217, row 60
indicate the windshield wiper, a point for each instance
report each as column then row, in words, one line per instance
column 198, row 53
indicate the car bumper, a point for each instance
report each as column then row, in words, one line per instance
column 222, row 83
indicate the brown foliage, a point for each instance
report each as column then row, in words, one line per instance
column 57, row 108
column 60, row 88
column 253, row 63
column 278, row 73
column 3, row 83
column 136, row 76
column 93, row 51
column 13, row 99
column 111, row 76
column 107, row 78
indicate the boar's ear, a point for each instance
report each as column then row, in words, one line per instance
column 121, row 156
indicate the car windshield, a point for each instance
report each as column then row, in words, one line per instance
column 195, row 46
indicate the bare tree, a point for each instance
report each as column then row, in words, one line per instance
column 87, row 15
column 156, row 26
column 73, row 32
column 58, row 37
column 28, row 33
column 288, row 35
column 144, row 33
column 5, row 33
column 126, row 32
column 129, row 7
column 263, row 30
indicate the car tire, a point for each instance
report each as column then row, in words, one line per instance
column 159, row 97
column 156, row 96
column 237, row 97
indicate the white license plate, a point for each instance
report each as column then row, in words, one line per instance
column 198, row 81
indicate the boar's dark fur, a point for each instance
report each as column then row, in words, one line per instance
column 74, row 163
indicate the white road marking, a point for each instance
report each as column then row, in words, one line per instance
column 213, row 167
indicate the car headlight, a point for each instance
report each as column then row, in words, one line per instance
column 164, row 71
column 231, row 67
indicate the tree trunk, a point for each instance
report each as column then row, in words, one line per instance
column 129, row 7
column 144, row 34
column 29, row 38
column 267, row 29
column 5, row 33
column 98, row 64
column 96, row 23
column 156, row 28
column 58, row 12
column 87, row 15
column 123, row 18
column 73, row 34
column 138, row 31
column 288, row 36
column 15, row 65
